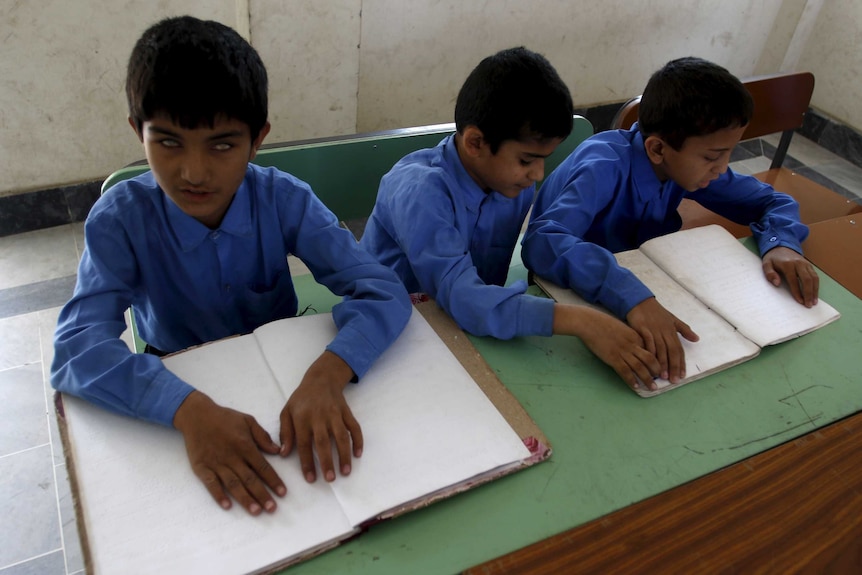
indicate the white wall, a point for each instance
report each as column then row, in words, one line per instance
column 416, row 54
column 834, row 54
column 343, row 66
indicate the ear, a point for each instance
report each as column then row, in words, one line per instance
column 264, row 131
column 655, row 148
column 135, row 129
column 474, row 142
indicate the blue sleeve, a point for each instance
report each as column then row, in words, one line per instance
column 554, row 248
column 376, row 306
column 424, row 227
column 772, row 216
column 90, row 361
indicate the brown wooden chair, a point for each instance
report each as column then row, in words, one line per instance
column 780, row 104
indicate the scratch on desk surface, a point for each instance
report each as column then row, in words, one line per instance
column 692, row 450
column 801, row 391
column 810, row 421
column 548, row 482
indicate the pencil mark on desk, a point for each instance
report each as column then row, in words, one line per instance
column 692, row 450
column 801, row 391
column 548, row 482
column 810, row 421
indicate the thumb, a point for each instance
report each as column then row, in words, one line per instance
column 771, row 275
column 287, row 433
column 261, row 437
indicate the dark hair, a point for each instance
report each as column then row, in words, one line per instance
column 512, row 95
column 692, row 97
column 194, row 70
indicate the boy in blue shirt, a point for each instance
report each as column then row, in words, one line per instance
column 447, row 219
column 198, row 247
column 622, row 187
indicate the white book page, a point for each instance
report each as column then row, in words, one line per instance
column 145, row 510
column 727, row 277
column 719, row 347
column 426, row 424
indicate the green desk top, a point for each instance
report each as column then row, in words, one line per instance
column 611, row 447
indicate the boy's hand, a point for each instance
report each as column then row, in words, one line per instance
column 610, row 340
column 802, row 279
column 224, row 448
column 316, row 414
column 658, row 328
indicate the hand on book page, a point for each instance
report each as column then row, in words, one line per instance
column 802, row 279
column 317, row 415
column 224, row 449
column 659, row 327
column 611, row 340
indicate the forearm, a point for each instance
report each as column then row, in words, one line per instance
column 588, row 269
column 106, row 373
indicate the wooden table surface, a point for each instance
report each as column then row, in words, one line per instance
column 796, row 508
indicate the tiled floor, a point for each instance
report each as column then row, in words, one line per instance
column 38, row 534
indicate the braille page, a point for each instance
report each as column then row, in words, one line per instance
column 714, row 266
column 146, row 512
column 426, row 424
column 719, row 347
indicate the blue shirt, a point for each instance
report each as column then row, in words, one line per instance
column 189, row 284
column 445, row 236
column 606, row 197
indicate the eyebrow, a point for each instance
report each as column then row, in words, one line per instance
column 218, row 136
column 532, row 155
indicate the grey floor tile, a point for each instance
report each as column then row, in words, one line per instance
column 49, row 564
column 23, row 421
column 37, row 256
column 36, row 296
column 804, row 150
column 28, row 506
column 46, row 321
column 19, row 341
column 78, row 234
column 740, row 167
column 71, row 540
column 753, row 165
column 843, row 173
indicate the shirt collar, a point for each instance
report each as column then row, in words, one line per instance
column 473, row 194
column 237, row 221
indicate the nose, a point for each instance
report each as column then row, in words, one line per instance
column 721, row 167
column 537, row 170
column 195, row 168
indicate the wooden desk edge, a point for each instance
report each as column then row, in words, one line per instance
column 796, row 507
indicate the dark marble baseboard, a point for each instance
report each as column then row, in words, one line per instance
column 834, row 136
column 47, row 208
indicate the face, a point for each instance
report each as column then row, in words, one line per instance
column 516, row 165
column 700, row 160
column 200, row 169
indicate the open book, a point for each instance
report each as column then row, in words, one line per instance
column 430, row 431
column 709, row 280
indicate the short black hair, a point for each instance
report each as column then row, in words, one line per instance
column 692, row 97
column 512, row 95
column 193, row 71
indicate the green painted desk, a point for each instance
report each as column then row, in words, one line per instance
column 612, row 448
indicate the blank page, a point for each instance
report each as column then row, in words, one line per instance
column 713, row 265
column 146, row 512
column 425, row 422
